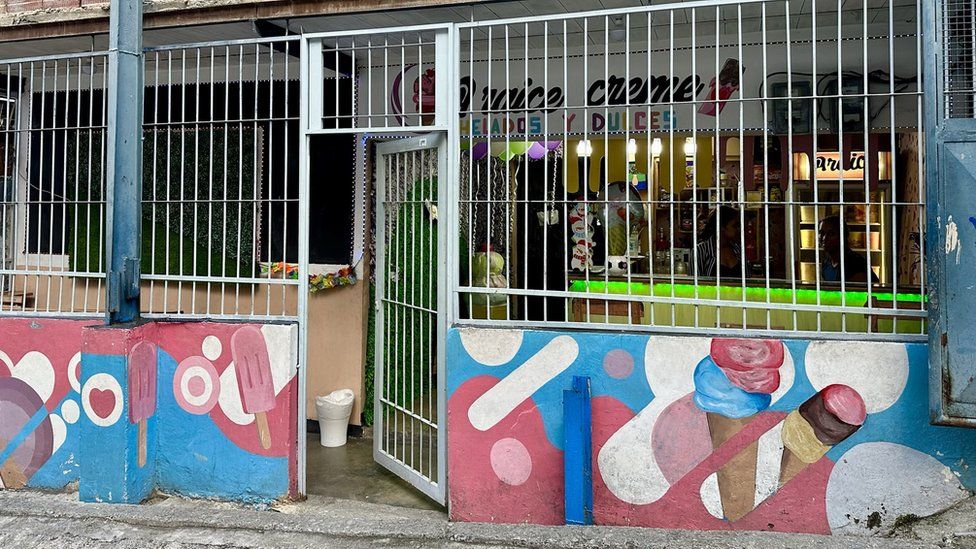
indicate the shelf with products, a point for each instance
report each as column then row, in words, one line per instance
column 864, row 216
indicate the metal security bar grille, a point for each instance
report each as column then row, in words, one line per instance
column 959, row 64
column 52, row 184
column 714, row 166
column 408, row 414
column 377, row 82
column 220, row 180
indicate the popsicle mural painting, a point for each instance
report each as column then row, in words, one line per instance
column 253, row 369
column 142, row 391
column 220, row 430
column 702, row 433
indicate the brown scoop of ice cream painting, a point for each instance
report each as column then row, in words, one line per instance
column 253, row 368
column 823, row 421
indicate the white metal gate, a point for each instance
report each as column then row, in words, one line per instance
column 382, row 82
column 410, row 375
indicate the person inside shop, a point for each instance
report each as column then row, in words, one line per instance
column 834, row 244
column 718, row 244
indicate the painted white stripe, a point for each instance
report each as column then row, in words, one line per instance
column 539, row 369
column 627, row 461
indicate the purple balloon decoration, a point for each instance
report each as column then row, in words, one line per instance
column 537, row 151
column 479, row 150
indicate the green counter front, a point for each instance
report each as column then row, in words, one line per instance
column 779, row 315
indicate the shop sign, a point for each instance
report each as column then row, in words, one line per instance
column 828, row 166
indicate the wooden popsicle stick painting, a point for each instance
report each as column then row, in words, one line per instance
column 142, row 443
column 264, row 433
column 252, row 366
column 10, row 473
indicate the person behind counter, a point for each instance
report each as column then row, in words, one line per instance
column 718, row 244
column 833, row 243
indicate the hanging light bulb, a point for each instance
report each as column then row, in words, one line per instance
column 631, row 150
column 618, row 30
column 656, row 146
column 584, row 148
column 689, row 146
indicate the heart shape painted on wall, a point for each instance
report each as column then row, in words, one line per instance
column 102, row 402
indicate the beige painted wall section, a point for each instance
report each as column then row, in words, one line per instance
column 337, row 343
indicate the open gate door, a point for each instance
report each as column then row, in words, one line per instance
column 410, row 297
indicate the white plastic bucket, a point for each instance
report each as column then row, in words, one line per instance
column 333, row 411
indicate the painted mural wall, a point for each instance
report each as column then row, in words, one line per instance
column 166, row 405
column 702, row 433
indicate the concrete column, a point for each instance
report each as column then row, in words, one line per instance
column 118, row 432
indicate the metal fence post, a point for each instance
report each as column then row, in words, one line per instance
column 124, row 169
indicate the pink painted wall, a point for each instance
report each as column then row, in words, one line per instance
column 205, row 431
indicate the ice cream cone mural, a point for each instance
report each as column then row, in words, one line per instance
column 253, row 368
column 732, row 384
column 142, row 390
column 824, row 420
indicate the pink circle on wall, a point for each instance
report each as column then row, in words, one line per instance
column 618, row 363
column 511, row 462
column 196, row 385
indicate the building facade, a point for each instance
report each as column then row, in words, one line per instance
column 768, row 197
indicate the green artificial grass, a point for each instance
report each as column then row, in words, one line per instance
column 192, row 211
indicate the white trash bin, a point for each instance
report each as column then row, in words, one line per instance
column 333, row 412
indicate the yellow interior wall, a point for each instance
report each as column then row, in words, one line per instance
column 617, row 161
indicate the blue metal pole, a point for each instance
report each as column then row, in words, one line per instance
column 577, row 452
column 124, row 159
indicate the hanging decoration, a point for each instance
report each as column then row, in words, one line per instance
column 345, row 276
column 536, row 150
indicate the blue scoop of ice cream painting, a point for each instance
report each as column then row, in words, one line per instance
column 738, row 376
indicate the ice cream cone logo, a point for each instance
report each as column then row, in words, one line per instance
column 722, row 88
column 732, row 384
column 423, row 95
column 824, row 420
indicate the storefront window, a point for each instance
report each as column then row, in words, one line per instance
column 697, row 168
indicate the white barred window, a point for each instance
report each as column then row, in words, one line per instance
column 737, row 166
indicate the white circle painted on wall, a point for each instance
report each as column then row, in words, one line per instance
column 70, row 412
column 74, row 372
column 491, row 347
column 196, row 385
column 212, row 348
column 877, row 371
column 101, row 397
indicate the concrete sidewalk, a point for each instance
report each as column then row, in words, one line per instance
column 32, row 519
